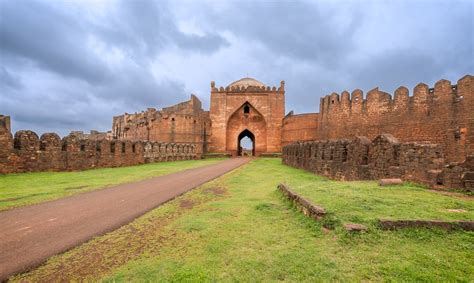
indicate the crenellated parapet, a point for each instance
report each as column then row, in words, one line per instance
column 376, row 99
column 242, row 86
column 440, row 114
column 26, row 152
column 383, row 157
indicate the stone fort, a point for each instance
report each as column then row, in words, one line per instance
column 248, row 108
column 437, row 122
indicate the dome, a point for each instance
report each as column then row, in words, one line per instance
column 246, row 82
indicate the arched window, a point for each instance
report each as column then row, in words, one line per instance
column 246, row 109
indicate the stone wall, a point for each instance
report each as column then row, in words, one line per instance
column 442, row 115
column 383, row 157
column 266, row 111
column 301, row 127
column 26, row 152
column 184, row 123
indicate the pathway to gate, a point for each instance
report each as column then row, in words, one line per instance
column 29, row 235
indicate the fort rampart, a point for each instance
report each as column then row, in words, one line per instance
column 300, row 127
column 26, row 152
column 383, row 157
column 184, row 122
column 442, row 115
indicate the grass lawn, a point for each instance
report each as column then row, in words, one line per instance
column 365, row 201
column 239, row 228
column 29, row 188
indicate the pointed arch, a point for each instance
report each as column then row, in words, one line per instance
column 251, row 123
column 243, row 134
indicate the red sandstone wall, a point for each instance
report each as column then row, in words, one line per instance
column 267, row 106
column 25, row 152
column 185, row 122
column 302, row 127
column 443, row 115
column 254, row 121
column 384, row 157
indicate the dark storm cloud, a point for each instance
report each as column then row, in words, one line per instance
column 143, row 27
column 76, row 69
column 296, row 29
column 332, row 46
column 50, row 38
column 73, row 65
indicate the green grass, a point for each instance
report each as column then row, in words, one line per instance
column 29, row 188
column 365, row 201
column 240, row 228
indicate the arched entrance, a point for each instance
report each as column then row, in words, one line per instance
column 246, row 121
column 240, row 147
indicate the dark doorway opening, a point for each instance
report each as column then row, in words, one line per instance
column 246, row 143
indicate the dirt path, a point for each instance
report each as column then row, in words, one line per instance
column 29, row 235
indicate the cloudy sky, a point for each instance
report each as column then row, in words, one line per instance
column 73, row 64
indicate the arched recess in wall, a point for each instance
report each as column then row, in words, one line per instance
column 246, row 117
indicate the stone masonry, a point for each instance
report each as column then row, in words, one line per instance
column 427, row 137
column 383, row 157
column 247, row 107
column 26, row 152
column 183, row 123
column 441, row 115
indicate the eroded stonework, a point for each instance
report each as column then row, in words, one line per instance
column 247, row 107
column 427, row 137
column 182, row 123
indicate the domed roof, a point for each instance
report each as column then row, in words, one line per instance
column 246, row 82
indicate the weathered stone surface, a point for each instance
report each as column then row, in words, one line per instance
column 354, row 227
column 185, row 122
column 28, row 153
column 426, row 138
column 308, row 208
column 385, row 157
column 456, row 210
column 247, row 107
column 390, row 182
column 440, row 115
column 303, row 127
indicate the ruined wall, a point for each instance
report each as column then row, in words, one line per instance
column 183, row 123
column 301, row 127
column 92, row 135
column 26, row 152
column 443, row 115
column 383, row 157
column 267, row 105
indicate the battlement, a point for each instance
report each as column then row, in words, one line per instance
column 422, row 94
column 383, row 157
column 441, row 114
column 26, row 152
column 244, row 88
column 5, row 123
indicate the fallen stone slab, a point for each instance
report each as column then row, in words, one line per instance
column 457, row 210
column 354, row 227
column 390, row 182
column 308, row 208
column 387, row 224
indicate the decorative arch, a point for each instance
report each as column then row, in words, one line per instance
column 246, row 118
